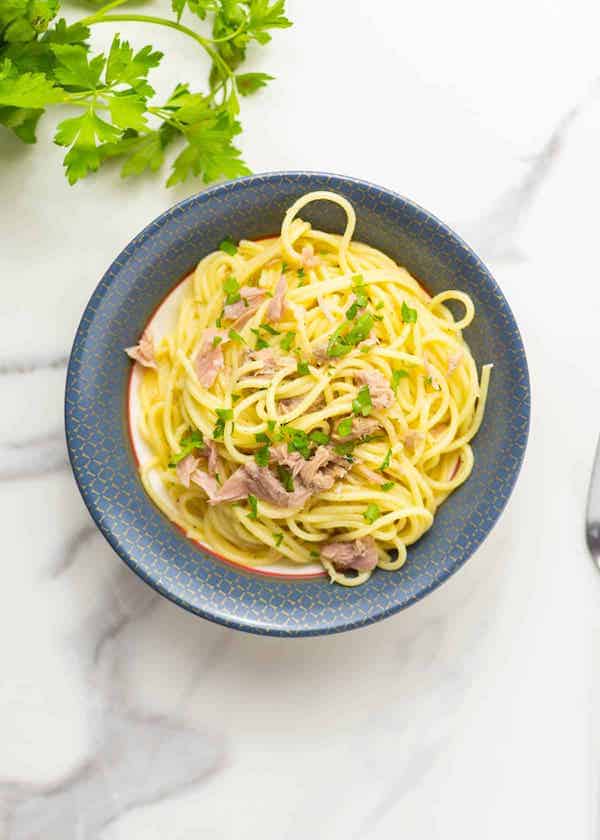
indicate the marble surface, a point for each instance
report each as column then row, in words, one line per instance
column 470, row 714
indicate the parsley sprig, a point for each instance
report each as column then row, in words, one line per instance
column 45, row 61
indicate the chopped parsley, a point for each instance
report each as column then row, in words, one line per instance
column 268, row 328
column 302, row 368
column 235, row 397
column 387, row 486
column 228, row 246
column 359, row 279
column 261, row 456
column 319, row 437
column 301, row 273
column 278, row 539
column 261, row 343
column 397, row 375
column 287, row 340
column 342, row 343
column 223, row 415
column 235, row 336
column 386, row 461
column 409, row 316
column 315, row 554
column 231, row 287
column 261, row 437
column 345, row 427
column 360, row 303
column 253, row 503
column 187, row 444
column 297, row 441
column 271, row 425
column 216, row 341
column 380, row 305
column 346, row 449
column 286, row 478
column 284, row 267
column 372, row 513
column 362, row 403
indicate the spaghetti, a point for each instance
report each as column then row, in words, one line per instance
column 312, row 404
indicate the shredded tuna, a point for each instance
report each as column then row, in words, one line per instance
column 277, row 302
column 382, row 395
column 360, row 554
column 319, row 473
column 292, row 460
column 144, row 351
column 454, row 361
column 212, row 454
column 185, row 468
column 260, row 482
column 251, row 297
column 209, row 359
column 320, row 353
column 361, row 427
column 270, row 363
column 309, row 258
column 376, row 478
column 207, row 482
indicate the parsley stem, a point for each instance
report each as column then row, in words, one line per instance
column 158, row 21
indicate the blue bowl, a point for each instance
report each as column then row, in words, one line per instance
column 97, row 432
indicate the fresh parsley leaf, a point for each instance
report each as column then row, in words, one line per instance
column 302, row 368
column 261, row 437
column 284, row 474
column 228, row 246
column 319, row 437
column 253, row 505
column 271, row 425
column 248, row 83
column 386, row 461
column 261, row 456
column 225, row 413
column 362, row 403
column 187, row 444
column 80, row 133
column 231, row 287
column 344, row 427
column 287, row 340
column 387, row 486
column 268, row 328
column 371, row 513
column 28, row 90
column 235, row 336
column 397, row 375
column 409, row 316
column 341, row 342
column 261, row 343
column 297, row 441
column 123, row 67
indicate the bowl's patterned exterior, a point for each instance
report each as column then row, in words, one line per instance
column 100, row 450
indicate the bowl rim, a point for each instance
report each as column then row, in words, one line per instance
column 127, row 556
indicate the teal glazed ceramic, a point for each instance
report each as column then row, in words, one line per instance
column 96, row 425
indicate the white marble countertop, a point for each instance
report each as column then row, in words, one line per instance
column 467, row 716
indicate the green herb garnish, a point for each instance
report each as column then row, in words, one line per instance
column 228, row 246
column 302, row 368
column 235, row 336
column 261, row 343
column 386, row 461
column 315, row 554
column 278, row 539
column 301, row 273
column 345, row 427
column 297, row 441
column 268, row 328
column 362, row 403
column 187, row 444
column 231, row 287
column 397, row 375
column 216, row 341
column 342, row 343
column 271, row 425
column 319, row 437
column 223, row 415
column 409, row 316
column 286, row 478
column 261, row 456
column 372, row 513
column 287, row 340
column 387, row 486
column 380, row 305
column 261, row 437
column 253, row 503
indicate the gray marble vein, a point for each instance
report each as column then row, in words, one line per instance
column 30, row 363
column 139, row 760
column 33, row 457
column 494, row 234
